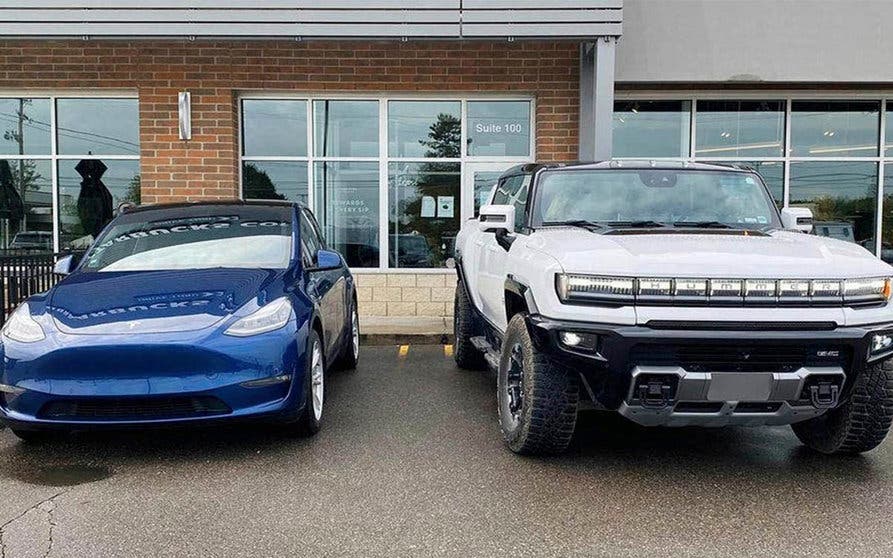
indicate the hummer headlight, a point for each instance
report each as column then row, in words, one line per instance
column 877, row 288
column 592, row 286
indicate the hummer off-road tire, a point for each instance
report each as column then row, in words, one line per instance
column 860, row 423
column 537, row 397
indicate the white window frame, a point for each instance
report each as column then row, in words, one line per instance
column 54, row 157
column 384, row 159
column 881, row 158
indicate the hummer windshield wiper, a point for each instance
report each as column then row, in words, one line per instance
column 703, row 225
column 583, row 223
column 635, row 224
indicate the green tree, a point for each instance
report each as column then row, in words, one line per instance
column 258, row 185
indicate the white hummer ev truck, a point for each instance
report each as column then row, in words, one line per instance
column 675, row 294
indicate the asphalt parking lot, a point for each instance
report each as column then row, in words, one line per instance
column 410, row 463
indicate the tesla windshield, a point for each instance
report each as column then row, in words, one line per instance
column 228, row 236
column 654, row 198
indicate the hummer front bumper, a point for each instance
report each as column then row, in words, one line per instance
column 712, row 374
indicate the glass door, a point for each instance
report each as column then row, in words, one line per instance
column 477, row 182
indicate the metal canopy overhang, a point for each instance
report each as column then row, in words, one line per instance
column 308, row 19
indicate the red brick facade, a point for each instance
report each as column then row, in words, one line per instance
column 215, row 72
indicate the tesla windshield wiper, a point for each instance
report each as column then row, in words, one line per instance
column 703, row 225
column 583, row 223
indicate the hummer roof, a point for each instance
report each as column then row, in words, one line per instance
column 530, row 168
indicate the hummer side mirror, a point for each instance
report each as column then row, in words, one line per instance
column 495, row 217
column 797, row 219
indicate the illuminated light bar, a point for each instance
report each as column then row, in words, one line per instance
column 691, row 287
column 760, row 288
column 661, row 290
column 793, row 288
column 823, row 288
column 655, row 287
column 725, row 287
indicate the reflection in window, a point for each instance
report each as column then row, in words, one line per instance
column 484, row 181
column 499, row 128
column 842, row 196
column 889, row 132
column 97, row 126
column 887, row 223
column 25, row 127
column 274, row 180
column 425, row 203
column 345, row 128
column 90, row 191
column 740, row 129
column 26, row 205
column 651, row 128
column 835, row 128
column 772, row 173
column 431, row 129
column 274, row 128
column 346, row 199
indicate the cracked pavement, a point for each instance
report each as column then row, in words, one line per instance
column 410, row 463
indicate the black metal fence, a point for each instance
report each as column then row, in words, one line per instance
column 23, row 274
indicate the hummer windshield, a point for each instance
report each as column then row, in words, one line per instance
column 646, row 198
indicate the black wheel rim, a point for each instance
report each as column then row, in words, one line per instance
column 514, row 383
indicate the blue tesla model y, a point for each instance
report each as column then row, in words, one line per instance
column 184, row 314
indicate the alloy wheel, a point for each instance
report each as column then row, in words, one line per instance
column 317, row 386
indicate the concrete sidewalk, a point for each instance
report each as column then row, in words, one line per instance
column 381, row 330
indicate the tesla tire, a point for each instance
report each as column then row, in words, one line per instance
column 310, row 417
column 537, row 397
column 861, row 423
column 350, row 355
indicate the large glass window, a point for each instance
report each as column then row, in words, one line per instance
column 889, row 129
column 887, row 225
column 25, row 125
column 94, row 126
column 274, row 128
column 652, row 128
column 394, row 203
column 835, row 128
column 275, row 180
column 740, row 129
column 424, row 129
column 425, row 199
column 842, row 196
column 499, row 128
column 345, row 128
column 97, row 160
column 346, row 204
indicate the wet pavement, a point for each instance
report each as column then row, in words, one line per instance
column 410, row 463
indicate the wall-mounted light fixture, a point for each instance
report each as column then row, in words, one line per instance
column 185, row 109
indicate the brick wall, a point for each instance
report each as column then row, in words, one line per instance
column 216, row 71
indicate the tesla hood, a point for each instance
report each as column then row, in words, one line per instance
column 109, row 303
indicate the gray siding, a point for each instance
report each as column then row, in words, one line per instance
column 450, row 19
column 815, row 41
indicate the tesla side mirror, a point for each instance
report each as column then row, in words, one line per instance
column 495, row 218
column 327, row 259
column 797, row 219
column 65, row 265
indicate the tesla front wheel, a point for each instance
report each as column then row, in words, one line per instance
column 314, row 391
column 537, row 397
column 350, row 355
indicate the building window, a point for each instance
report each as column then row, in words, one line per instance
column 740, row 129
column 834, row 128
column 80, row 155
column 824, row 154
column 652, row 129
column 389, row 180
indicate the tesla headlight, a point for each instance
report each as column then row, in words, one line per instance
column 22, row 327
column 592, row 287
column 267, row 318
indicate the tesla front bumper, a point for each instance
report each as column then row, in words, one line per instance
column 711, row 374
column 84, row 384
